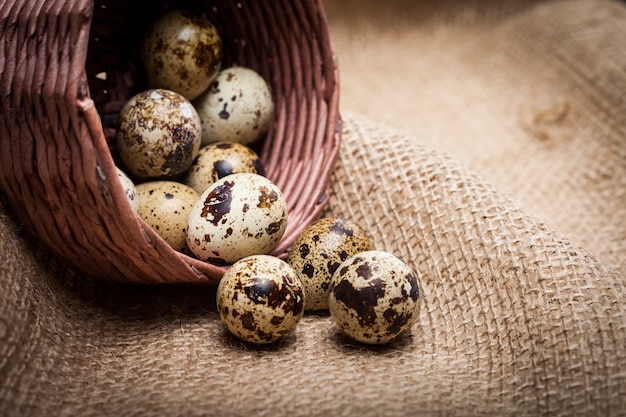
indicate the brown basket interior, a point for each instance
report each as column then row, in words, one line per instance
column 68, row 69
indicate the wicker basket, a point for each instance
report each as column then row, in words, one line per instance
column 67, row 69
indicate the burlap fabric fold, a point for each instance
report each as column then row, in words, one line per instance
column 484, row 144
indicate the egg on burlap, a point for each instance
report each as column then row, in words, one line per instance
column 319, row 250
column 260, row 299
column 165, row 207
column 374, row 297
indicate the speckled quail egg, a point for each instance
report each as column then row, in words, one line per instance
column 182, row 52
column 158, row 134
column 374, row 296
column 129, row 189
column 237, row 107
column 237, row 216
column 319, row 250
column 218, row 160
column 260, row 299
column 165, row 207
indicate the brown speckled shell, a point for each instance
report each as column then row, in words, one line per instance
column 182, row 52
column 165, row 206
column 129, row 188
column 260, row 299
column 239, row 215
column 158, row 134
column 374, row 297
column 219, row 159
column 238, row 107
column 319, row 250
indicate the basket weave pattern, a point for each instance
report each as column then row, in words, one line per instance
column 67, row 69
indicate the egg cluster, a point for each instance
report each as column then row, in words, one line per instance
column 371, row 295
column 184, row 146
column 197, row 183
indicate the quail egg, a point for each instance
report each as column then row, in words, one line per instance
column 158, row 135
column 237, row 107
column 319, row 250
column 165, row 207
column 237, row 216
column 182, row 52
column 129, row 189
column 374, row 296
column 218, row 160
column 260, row 299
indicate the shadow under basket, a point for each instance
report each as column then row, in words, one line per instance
column 67, row 69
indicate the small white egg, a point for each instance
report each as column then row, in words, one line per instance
column 129, row 189
column 260, row 299
column 182, row 52
column 158, row 134
column 237, row 216
column 165, row 207
column 238, row 107
column 374, row 296
column 319, row 250
column 218, row 160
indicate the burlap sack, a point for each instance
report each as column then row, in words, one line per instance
column 484, row 144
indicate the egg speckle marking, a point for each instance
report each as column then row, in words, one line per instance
column 129, row 188
column 237, row 216
column 238, row 107
column 182, row 52
column 158, row 134
column 217, row 160
column 260, row 299
column 165, row 207
column 374, row 296
column 319, row 250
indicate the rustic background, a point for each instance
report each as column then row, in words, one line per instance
column 484, row 143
